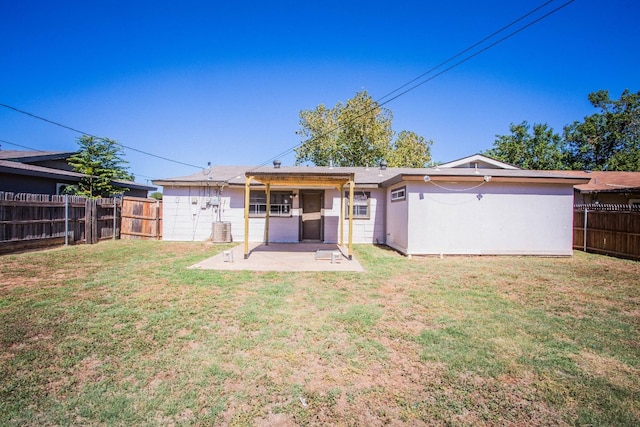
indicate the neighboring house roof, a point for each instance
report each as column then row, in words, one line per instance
column 34, row 156
column 16, row 167
column 478, row 161
column 607, row 181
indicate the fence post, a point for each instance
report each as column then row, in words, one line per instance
column 584, row 237
column 114, row 217
column 66, row 220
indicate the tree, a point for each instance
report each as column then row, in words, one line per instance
column 410, row 150
column 542, row 150
column 609, row 139
column 101, row 161
column 357, row 133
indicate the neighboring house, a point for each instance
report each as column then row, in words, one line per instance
column 47, row 172
column 474, row 205
column 604, row 187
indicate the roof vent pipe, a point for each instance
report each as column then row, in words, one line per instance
column 383, row 165
column 276, row 164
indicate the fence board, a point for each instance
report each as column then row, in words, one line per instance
column 608, row 231
column 33, row 220
column 141, row 218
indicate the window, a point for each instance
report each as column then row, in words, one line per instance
column 360, row 204
column 399, row 194
column 280, row 203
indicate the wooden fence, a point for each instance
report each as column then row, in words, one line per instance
column 141, row 218
column 36, row 220
column 607, row 229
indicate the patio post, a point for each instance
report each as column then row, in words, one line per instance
column 247, row 192
column 351, row 185
column 266, row 225
column 341, row 189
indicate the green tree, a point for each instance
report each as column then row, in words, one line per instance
column 357, row 133
column 410, row 150
column 540, row 151
column 100, row 159
column 609, row 139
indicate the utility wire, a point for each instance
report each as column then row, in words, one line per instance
column 462, row 61
column 2, row 141
column 462, row 52
column 89, row 134
column 473, row 55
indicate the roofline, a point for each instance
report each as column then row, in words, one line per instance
column 11, row 167
column 609, row 190
column 44, row 155
column 573, row 180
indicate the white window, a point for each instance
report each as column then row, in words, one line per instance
column 280, row 203
column 399, row 194
column 360, row 204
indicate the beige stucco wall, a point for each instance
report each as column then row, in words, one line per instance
column 494, row 219
column 186, row 221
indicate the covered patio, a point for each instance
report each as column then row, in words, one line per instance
column 282, row 257
column 300, row 180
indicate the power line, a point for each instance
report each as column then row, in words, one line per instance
column 462, row 61
column 94, row 136
column 462, row 52
column 21, row 146
column 473, row 55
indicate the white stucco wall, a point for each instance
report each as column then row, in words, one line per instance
column 495, row 218
column 185, row 221
column 186, row 216
column 369, row 230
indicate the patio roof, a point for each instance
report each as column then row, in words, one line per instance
column 302, row 178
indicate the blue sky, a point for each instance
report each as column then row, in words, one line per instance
column 199, row 81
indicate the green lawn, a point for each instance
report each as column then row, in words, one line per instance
column 122, row 333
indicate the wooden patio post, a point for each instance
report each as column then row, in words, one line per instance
column 341, row 189
column 266, row 225
column 351, row 185
column 247, row 186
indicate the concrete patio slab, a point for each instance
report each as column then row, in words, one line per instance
column 282, row 257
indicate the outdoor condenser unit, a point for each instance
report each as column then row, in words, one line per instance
column 221, row 232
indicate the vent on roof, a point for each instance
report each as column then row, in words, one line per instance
column 276, row 164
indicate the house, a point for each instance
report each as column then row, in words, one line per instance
column 47, row 172
column 474, row 205
column 607, row 187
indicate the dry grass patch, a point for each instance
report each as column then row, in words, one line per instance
column 123, row 333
